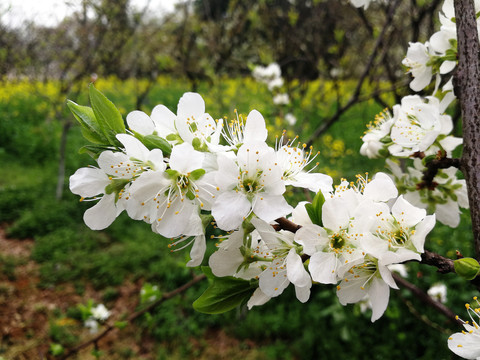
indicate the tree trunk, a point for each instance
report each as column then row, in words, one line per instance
column 61, row 160
column 467, row 88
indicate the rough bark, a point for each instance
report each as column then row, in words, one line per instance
column 467, row 88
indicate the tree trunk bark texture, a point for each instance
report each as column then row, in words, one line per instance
column 467, row 88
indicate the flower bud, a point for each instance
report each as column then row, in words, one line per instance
column 467, row 268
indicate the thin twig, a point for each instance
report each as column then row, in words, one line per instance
column 355, row 96
column 425, row 298
column 135, row 315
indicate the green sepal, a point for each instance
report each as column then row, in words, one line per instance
column 196, row 143
column 224, row 294
column 314, row 210
column 468, row 268
column 174, row 137
column 86, row 117
column 197, row 174
column 387, row 140
column 108, row 117
column 172, row 174
column 116, row 185
column 427, row 159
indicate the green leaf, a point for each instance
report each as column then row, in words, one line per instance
column 311, row 212
column 157, row 142
column 56, row 349
column 314, row 210
column 224, row 294
column 468, row 268
column 93, row 150
column 108, row 117
column 86, row 117
column 121, row 324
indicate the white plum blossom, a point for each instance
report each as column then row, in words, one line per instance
column 291, row 119
column 236, row 132
column 171, row 200
column 417, row 124
column 190, row 123
column 92, row 325
column 268, row 73
column 417, row 62
column 445, row 198
column 466, row 344
column 250, row 183
column 376, row 137
column 438, row 292
column 100, row 312
column 371, row 278
column 240, row 255
column 281, row 99
column 286, row 265
column 161, row 122
column 293, row 160
column 112, row 178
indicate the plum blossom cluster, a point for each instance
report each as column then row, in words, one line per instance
column 418, row 132
column 466, row 344
column 362, row 230
column 199, row 179
column 272, row 77
column 183, row 172
column 438, row 56
column 95, row 315
column 418, row 125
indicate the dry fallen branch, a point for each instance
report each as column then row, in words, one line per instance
column 165, row 296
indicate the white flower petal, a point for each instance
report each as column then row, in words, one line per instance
column 255, row 129
column 379, row 294
column 185, row 159
column 270, row 207
column 230, row 209
column 102, row 214
column 198, row 251
column 258, row 298
column 88, row 182
column 323, row 267
column 140, row 122
column 296, row 272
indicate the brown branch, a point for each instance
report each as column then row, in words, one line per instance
column 425, row 298
column 444, row 265
column 467, row 88
column 135, row 315
column 432, row 168
column 285, row 224
column 355, row 96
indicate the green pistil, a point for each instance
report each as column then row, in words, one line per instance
column 337, row 242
